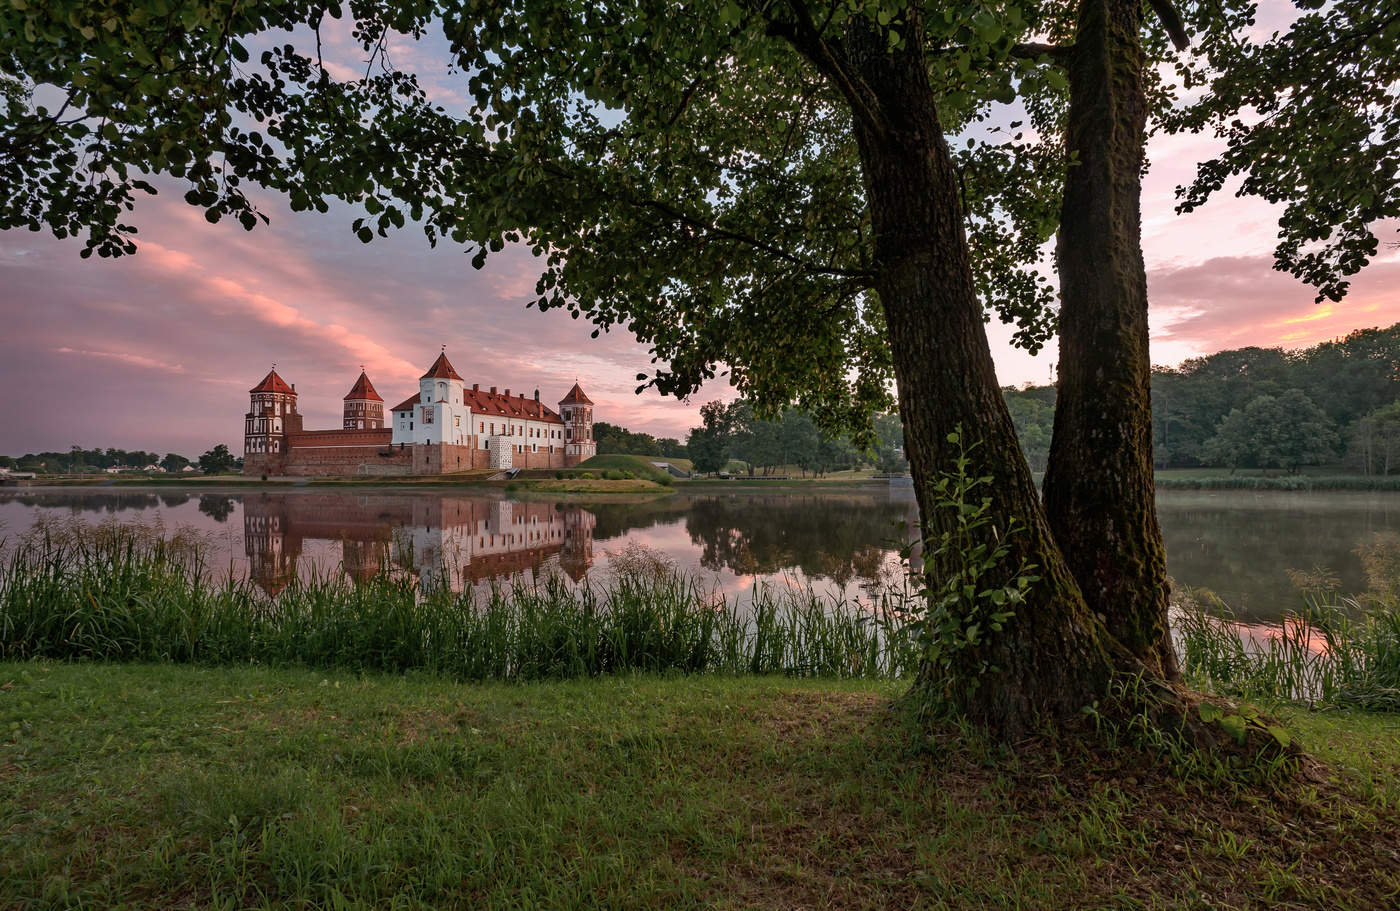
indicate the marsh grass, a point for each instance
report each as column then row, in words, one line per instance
column 134, row 593
column 1334, row 651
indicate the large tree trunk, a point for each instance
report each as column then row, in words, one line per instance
column 1052, row 658
column 1099, row 491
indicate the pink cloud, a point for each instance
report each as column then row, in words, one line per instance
column 1230, row 302
column 215, row 305
column 134, row 360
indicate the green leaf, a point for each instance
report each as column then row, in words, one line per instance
column 1235, row 726
column 1210, row 713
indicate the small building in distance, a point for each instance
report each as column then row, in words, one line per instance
column 443, row 428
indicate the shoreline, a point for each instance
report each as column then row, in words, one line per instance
column 1284, row 483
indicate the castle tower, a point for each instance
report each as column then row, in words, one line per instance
column 443, row 420
column 272, row 414
column 577, row 411
column 364, row 409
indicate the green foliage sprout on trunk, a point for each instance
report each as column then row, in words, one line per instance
column 967, row 596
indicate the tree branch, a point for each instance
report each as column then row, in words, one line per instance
column 806, row 38
column 1059, row 54
column 712, row 230
column 1171, row 21
column 1034, row 50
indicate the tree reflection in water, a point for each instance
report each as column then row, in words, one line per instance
column 840, row 538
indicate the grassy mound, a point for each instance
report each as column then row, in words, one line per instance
column 639, row 466
column 591, row 485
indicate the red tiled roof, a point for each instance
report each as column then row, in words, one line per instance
column 493, row 403
column 576, row 397
column 509, row 406
column 441, row 370
column 363, row 390
column 407, row 404
column 273, row 383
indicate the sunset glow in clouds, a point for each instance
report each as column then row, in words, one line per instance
column 158, row 350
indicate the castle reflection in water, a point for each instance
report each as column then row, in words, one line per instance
column 456, row 541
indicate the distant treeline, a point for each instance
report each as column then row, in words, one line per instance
column 78, row 460
column 615, row 440
column 1337, row 402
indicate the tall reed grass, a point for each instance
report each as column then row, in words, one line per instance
column 1334, row 651
column 121, row 593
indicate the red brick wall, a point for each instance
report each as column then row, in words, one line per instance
column 261, row 463
column 444, row 458
column 337, row 453
column 378, row 438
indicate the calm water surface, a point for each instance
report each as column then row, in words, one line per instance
column 1241, row 545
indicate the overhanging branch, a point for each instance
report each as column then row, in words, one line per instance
column 1171, row 21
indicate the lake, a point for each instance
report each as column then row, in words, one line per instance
column 1242, row 545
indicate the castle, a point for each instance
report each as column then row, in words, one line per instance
column 444, row 427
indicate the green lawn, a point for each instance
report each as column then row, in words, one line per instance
column 165, row 786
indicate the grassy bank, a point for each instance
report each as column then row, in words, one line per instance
column 1217, row 479
column 126, row 593
column 590, row 485
column 161, row 786
column 805, row 485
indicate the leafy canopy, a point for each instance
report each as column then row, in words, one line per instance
column 1311, row 120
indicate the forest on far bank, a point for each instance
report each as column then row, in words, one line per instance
column 1336, row 403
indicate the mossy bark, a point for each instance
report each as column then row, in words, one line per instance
column 1099, row 490
column 1053, row 657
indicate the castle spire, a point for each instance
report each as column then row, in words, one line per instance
column 441, row 369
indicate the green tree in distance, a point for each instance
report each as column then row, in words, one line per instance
column 709, row 443
column 173, row 462
column 1287, row 431
column 1376, row 439
column 217, row 460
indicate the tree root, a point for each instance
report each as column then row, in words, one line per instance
column 1195, row 729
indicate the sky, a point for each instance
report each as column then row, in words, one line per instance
column 158, row 351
